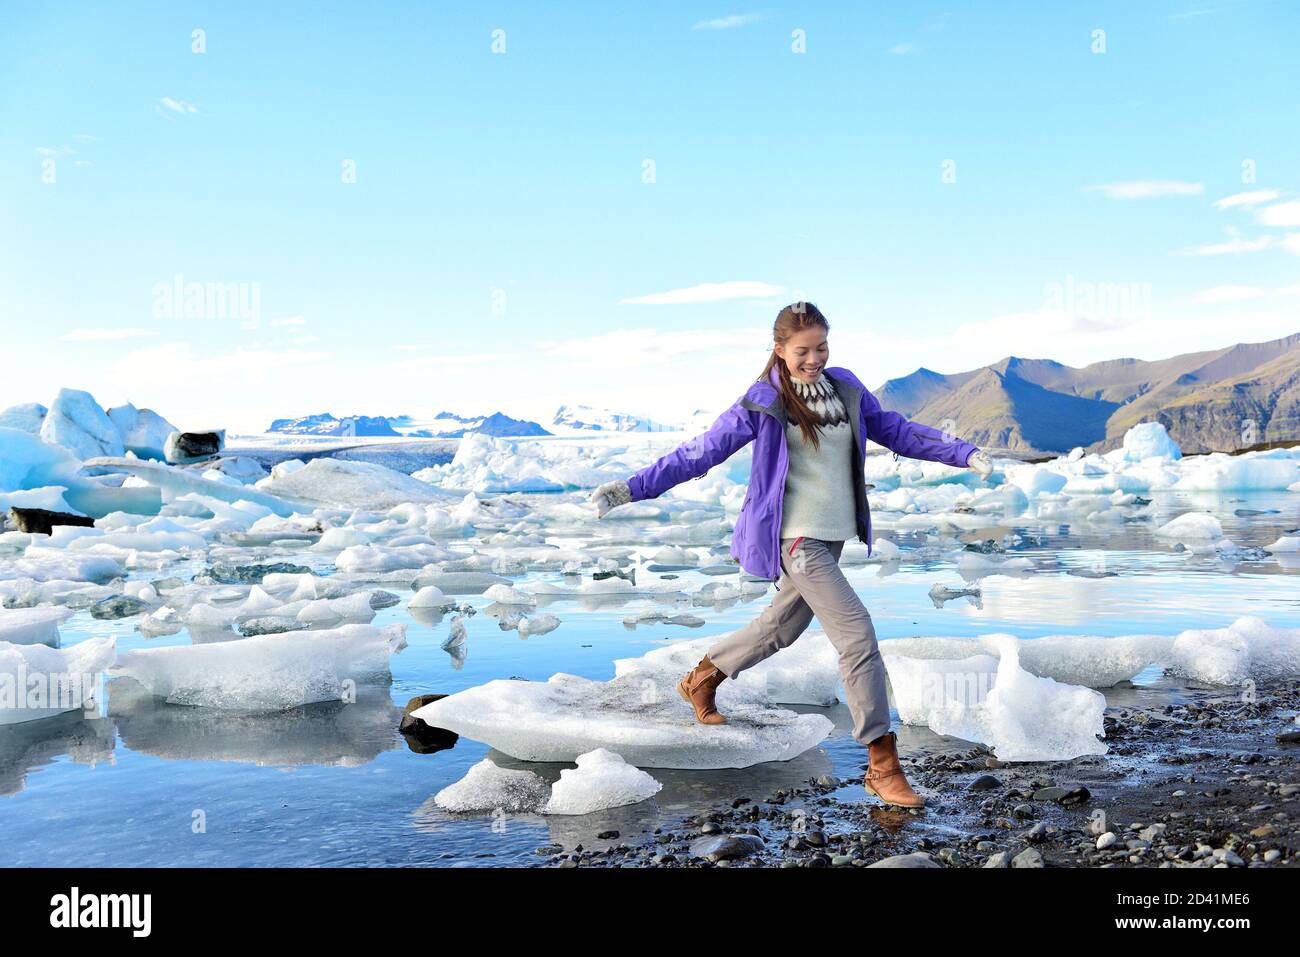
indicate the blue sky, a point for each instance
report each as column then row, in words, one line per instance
column 933, row 176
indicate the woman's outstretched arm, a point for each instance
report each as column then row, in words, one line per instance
column 732, row 430
column 898, row 433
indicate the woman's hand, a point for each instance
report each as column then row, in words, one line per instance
column 980, row 462
column 610, row 495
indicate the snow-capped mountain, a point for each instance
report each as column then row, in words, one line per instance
column 326, row 424
column 605, row 420
column 449, row 425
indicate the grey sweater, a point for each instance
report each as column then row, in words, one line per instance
column 819, row 500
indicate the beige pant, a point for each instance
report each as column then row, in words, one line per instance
column 813, row 584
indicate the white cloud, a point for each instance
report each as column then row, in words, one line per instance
column 901, row 49
column 178, row 106
column 1235, row 246
column 649, row 346
column 1147, row 188
column 450, row 361
column 100, row 335
column 1280, row 214
column 1247, row 200
column 1291, row 243
column 727, row 23
column 1230, row 294
column 709, row 292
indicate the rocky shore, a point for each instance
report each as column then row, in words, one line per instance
column 1210, row 781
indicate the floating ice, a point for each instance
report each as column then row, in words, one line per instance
column 1247, row 650
column 32, row 626
column 506, row 595
column 485, row 463
column 1149, row 440
column 37, row 681
column 1285, row 543
column 1089, row 660
column 371, row 559
column 266, row 672
column 330, row 611
column 537, row 624
column 1192, row 527
column 559, row 719
column 805, row 672
column 995, row 701
column 601, row 780
column 487, row 787
column 45, row 564
column 174, row 481
column 346, row 483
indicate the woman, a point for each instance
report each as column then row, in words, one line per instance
column 806, row 497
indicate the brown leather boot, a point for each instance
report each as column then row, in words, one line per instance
column 885, row 778
column 698, row 688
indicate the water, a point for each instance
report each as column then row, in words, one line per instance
column 153, row 784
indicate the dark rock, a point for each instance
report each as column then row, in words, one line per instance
column 915, row 859
column 726, row 847
column 41, row 521
column 420, row 737
column 195, row 446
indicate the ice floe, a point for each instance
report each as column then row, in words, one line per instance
column 632, row 715
column 37, row 681
column 266, row 672
column 602, row 780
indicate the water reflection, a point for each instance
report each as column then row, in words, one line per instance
column 329, row 733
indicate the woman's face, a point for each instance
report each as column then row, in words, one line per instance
column 805, row 353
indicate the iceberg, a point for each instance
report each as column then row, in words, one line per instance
column 76, row 422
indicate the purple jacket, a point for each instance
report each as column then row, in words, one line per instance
column 759, row 416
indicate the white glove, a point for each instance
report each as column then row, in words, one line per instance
column 610, row 495
column 980, row 462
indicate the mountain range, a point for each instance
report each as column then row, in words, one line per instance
column 1220, row 400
